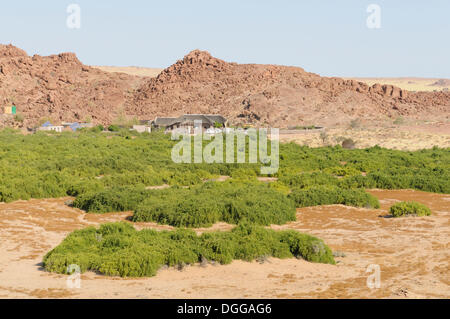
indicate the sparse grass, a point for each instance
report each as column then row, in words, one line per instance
column 123, row 251
column 305, row 127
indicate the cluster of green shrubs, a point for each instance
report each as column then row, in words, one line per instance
column 426, row 170
column 425, row 179
column 328, row 195
column 204, row 205
column 111, row 172
column 409, row 209
column 305, row 180
column 119, row 250
column 119, row 199
column 53, row 165
column 198, row 206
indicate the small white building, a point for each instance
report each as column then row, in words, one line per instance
column 54, row 128
column 142, row 128
column 47, row 126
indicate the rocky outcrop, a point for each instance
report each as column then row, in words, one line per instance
column 273, row 95
column 61, row 88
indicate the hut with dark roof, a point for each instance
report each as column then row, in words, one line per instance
column 188, row 122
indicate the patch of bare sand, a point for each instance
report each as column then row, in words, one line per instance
column 131, row 70
column 413, row 254
column 401, row 137
column 410, row 84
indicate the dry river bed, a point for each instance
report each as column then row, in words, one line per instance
column 412, row 254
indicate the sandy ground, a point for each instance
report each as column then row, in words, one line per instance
column 413, row 255
column 410, row 84
column 131, row 70
column 400, row 137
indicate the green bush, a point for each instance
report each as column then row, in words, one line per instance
column 409, row 208
column 113, row 128
column 119, row 250
column 111, row 200
column 201, row 206
column 329, row 195
column 308, row 179
column 97, row 129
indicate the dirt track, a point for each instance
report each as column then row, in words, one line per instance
column 413, row 254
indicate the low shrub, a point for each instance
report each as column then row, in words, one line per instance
column 97, row 129
column 424, row 180
column 308, row 179
column 329, row 195
column 409, row 209
column 113, row 128
column 243, row 174
column 348, row 144
column 117, row 249
column 342, row 171
column 118, row 199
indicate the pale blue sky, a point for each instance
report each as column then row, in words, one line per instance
column 328, row 37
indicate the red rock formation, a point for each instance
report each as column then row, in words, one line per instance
column 274, row 95
column 60, row 87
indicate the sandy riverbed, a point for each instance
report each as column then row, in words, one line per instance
column 413, row 254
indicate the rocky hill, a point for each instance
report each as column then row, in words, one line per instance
column 61, row 88
column 275, row 95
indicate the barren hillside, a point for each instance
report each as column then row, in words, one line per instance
column 276, row 95
column 61, row 88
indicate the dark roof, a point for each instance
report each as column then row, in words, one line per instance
column 216, row 118
column 164, row 121
column 189, row 119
